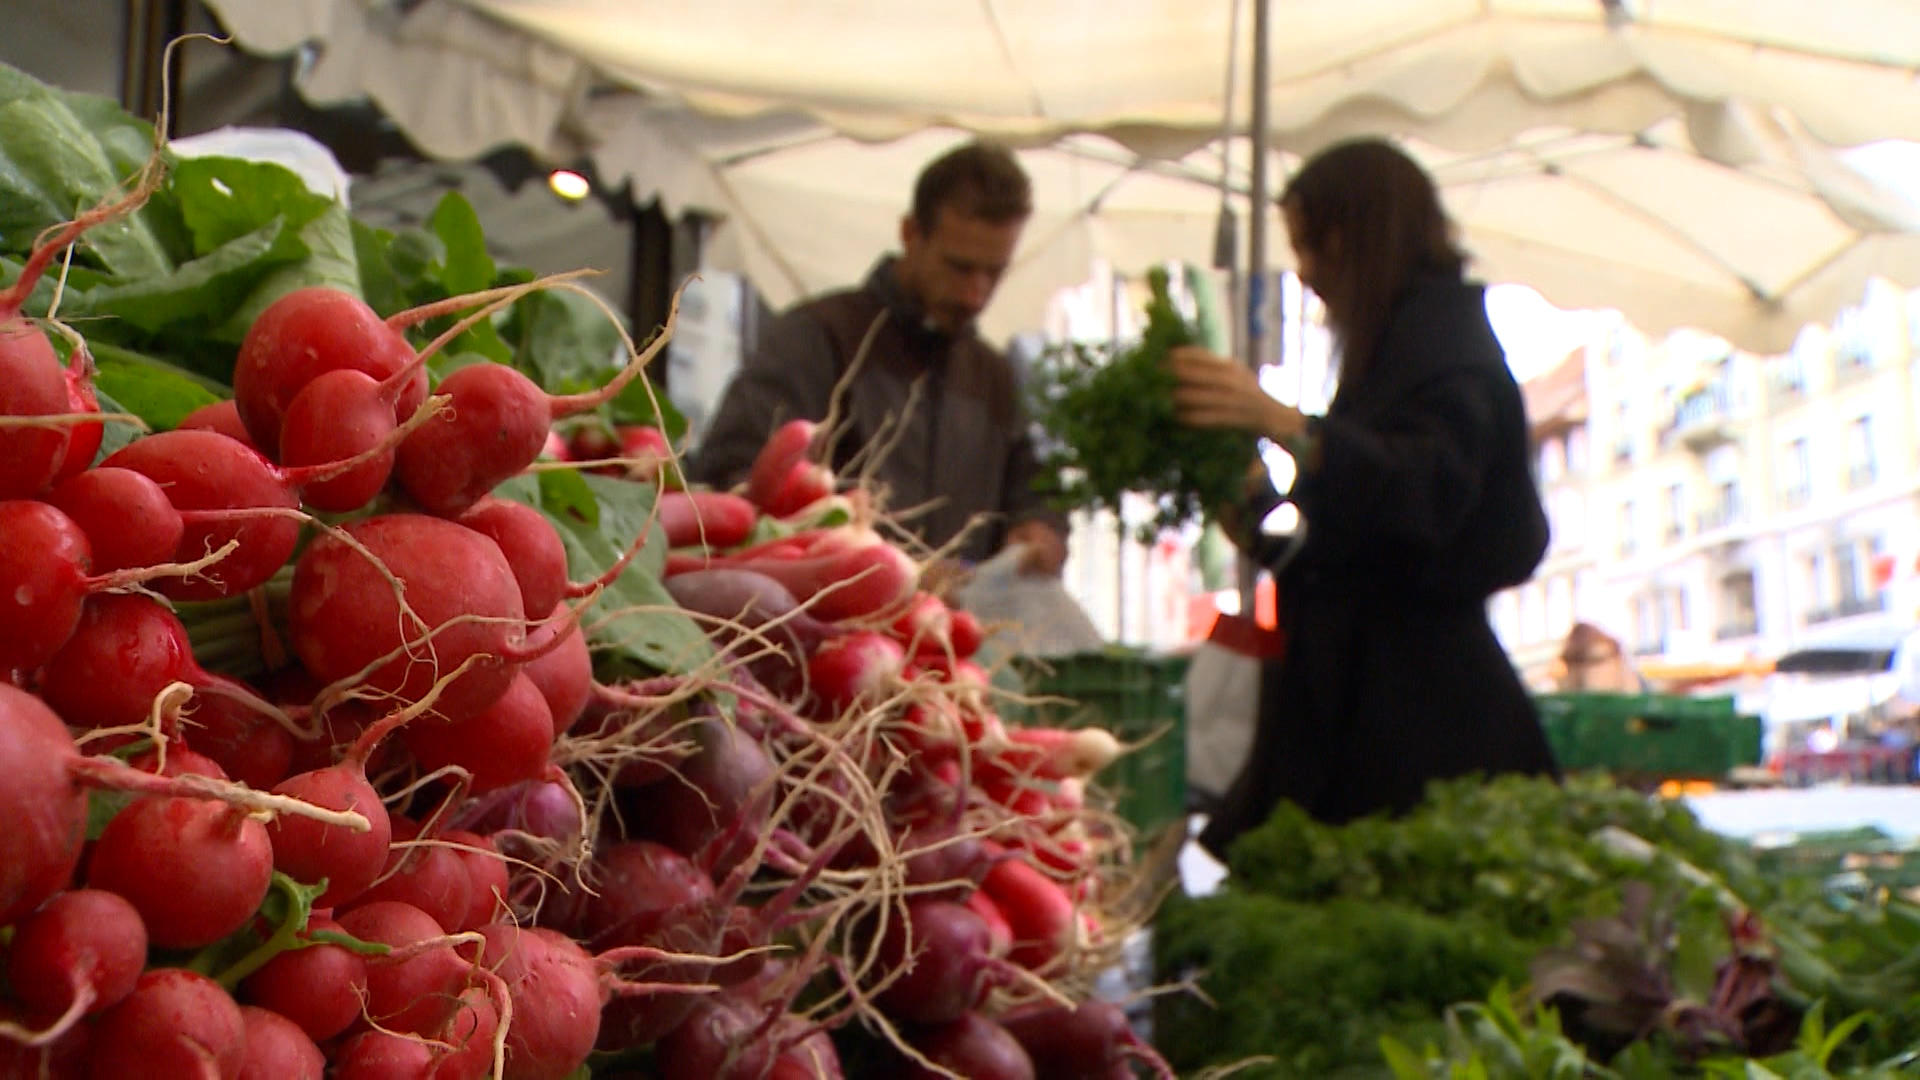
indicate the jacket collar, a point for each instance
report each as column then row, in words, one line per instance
column 883, row 282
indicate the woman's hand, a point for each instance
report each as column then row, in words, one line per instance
column 1219, row 393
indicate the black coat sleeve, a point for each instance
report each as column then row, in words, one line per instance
column 790, row 374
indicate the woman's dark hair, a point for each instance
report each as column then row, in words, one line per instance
column 1383, row 216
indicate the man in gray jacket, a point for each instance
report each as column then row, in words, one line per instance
column 932, row 413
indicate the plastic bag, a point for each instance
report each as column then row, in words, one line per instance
column 1041, row 617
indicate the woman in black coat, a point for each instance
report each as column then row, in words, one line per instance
column 1418, row 500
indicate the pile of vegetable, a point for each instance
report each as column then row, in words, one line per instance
column 1111, row 430
column 1522, row 929
column 353, row 726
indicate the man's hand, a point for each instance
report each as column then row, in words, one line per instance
column 1046, row 548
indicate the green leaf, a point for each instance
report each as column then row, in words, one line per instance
column 562, row 340
column 56, row 161
column 643, row 402
column 379, row 282
column 1406, row 1064
column 468, row 266
column 223, row 199
column 155, row 392
column 331, row 262
column 564, row 493
column 102, row 806
column 207, row 289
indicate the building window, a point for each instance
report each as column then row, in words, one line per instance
column 1796, row 473
column 1577, row 451
column 1739, row 614
column 1628, row 542
column 1863, row 466
column 1553, row 460
column 1676, row 512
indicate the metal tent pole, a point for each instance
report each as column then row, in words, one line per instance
column 1258, row 326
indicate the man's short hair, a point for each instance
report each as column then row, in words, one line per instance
column 980, row 180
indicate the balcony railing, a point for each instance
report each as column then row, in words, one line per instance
column 1848, row 607
column 1739, row 626
column 1654, row 647
column 1702, row 419
column 1718, row 514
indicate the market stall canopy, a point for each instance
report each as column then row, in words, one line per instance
column 1685, row 178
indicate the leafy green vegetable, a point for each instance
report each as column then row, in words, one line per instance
column 156, row 393
column 1111, row 429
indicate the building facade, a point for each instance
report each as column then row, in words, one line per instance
column 1712, row 507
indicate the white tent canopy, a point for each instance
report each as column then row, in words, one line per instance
column 801, row 126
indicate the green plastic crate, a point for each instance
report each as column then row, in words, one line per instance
column 1649, row 735
column 1135, row 695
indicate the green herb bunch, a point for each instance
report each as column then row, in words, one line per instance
column 1110, row 427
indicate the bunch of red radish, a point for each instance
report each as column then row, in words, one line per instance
column 510, row 865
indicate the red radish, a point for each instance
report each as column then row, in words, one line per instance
column 1057, row 753
column 300, row 337
column 975, row 1047
column 65, row 1056
column 222, row 416
column 249, row 747
column 709, row 519
column 45, row 578
column 638, row 439
column 967, row 633
column 807, row 483
column 999, row 931
column 556, row 448
column 648, row 895
column 717, row 1040
column 227, row 492
column 180, row 761
column 425, row 875
column 195, row 870
column 564, row 678
column 783, row 450
column 557, row 997
column 32, row 383
column 717, row 806
column 496, row 425
column 1038, row 910
column 858, row 668
column 939, row 854
column 855, row 582
column 44, row 810
column 946, row 952
column 542, row 808
column 318, row 987
column 1093, row 1041
column 276, row 1049
column 749, row 613
column 504, row 743
column 83, row 440
column 146, row 648
column 416, row 994
column 531, row 546
column 345, row 616
column 84, row 950
column 486, row 877
column 812, row 1058
column 311, row 851
column 175, row 1023
column 339, row 415
column 126, row 516
column 377, row 1055
column 926, row 625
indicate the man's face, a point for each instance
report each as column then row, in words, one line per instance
column 953, row 268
